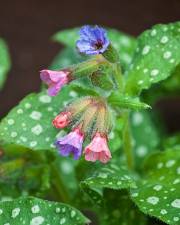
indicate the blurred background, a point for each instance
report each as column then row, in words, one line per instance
column 27, row 26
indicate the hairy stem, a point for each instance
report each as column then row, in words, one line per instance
column 118, row 77
column 127, row 142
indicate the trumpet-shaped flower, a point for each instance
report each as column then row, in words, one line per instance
column 98, row 149
column 55, row 80
column 93, row 40
column 71, row 143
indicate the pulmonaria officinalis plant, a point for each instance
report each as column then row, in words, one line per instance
column 93, row 140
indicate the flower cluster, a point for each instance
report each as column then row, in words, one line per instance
column 88, row 117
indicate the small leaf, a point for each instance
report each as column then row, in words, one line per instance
column 157, row 56
column 157, row 194
column 128, row 102
column 124, row 44
column 34, row 211
column 4, row 62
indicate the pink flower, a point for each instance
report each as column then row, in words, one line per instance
column 62, row 120
column 55, row 80
column 71, row 143
column 98, row 149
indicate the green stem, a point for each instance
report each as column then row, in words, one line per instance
column 127, row 142
column 118, row 77
column 58, row 184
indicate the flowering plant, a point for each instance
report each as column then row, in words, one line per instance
column 90, row 145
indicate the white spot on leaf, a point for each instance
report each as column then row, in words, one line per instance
column 36, row 115
column 153, row 200
column 157, row 187
column 62, row 221
column 176, row 203
column 35, row 209
column 15, row 212
column 170, row 163
column 154, row 72
column 45, row 99
column 145, row 50
column 37, row 220
column 10, row 121
column 37, row 130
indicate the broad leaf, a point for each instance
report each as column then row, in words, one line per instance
column 111, row 176
column 146, row 136
column 34, row 211
column 157, row 194
column 156, row 58
column 4, row 62
column 119, row 209
column 30, row 123
column 18, row 175
column 124, row 44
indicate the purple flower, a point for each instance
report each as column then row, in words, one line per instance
column 55, row 80
column 71, row 143
column 93, row 40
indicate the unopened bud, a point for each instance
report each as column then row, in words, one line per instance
column 62, row 120
column 111, row 54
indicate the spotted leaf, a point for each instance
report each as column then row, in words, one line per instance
column 157, row 194
column 4, row 62
column 119, row 209
column 30, row 123
column 146, row 136
column 111, row 176
column 156, row 57
column 34, row 211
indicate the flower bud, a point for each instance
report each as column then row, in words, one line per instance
column 62, row 120
column 111, row 54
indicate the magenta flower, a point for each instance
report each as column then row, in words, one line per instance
column 55, row 80
column 93, row 40
column 98, row 149
column 71, row 143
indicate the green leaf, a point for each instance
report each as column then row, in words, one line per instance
column 34, row 211
column 111, row 176
column 18, row 175
column 128, row 102
column 157, row 193
column 123, row 43
column 30, row 123
column 156, row 57
column 4, row 62
column 119, row 209
column 146, row 135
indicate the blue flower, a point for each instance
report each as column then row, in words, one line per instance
column 93, row 40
